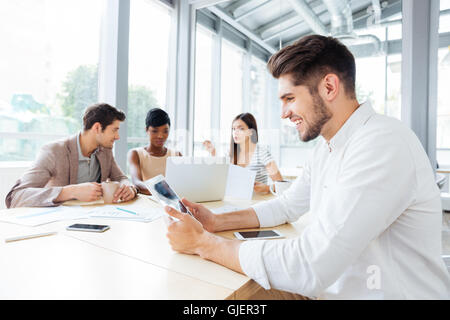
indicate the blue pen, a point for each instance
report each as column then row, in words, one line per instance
column 126, row 210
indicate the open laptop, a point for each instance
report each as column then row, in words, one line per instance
column 198, row 179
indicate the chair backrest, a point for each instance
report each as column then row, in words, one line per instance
column 446, row 259
column 440, row 180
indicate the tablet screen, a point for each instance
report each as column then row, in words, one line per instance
column 168, row 196
column 258, row 234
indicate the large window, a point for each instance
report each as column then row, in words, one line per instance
column 48, row 71
column 229, row 80
column 258, row 91
column 378, row 71
column 203, row 90
column 231, row 90
column 371, row 69
column 443, row 108
column 150, row 26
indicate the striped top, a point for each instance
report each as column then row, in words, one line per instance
column 260, row 158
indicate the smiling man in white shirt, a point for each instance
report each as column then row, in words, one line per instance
column 375, row 230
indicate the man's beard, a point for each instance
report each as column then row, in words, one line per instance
column 321, row 116
column 103, row 144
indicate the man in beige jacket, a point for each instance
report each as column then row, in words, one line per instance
column 73, row 168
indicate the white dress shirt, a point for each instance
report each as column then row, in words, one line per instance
column 376, row 217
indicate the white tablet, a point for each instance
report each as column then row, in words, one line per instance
column 162, row 192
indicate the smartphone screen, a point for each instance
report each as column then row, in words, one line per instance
column 258, row 234
column 88, row 227
column 169, row 197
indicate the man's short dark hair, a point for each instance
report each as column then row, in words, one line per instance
column 103, row 113
column 156, row 117
column 312, row 57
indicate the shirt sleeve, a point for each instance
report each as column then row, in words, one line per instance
column 288, row 207
column 376, row 184
column 30, row 189
column 266, row 157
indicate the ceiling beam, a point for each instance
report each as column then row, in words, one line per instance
column 252, row 11
column 277, row 23
column 359, row 19
column 272, row 29
column 236, row 5
column 252, row 36
column 199, row 4
column 309, row 16
column 286, row 29
column 264, row 30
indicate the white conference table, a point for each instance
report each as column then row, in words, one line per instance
column 132, row 260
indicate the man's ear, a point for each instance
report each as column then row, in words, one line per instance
column 329, row 87
column 97, row 127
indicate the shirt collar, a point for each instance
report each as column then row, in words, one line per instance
column 80, row 154
column 358, row 118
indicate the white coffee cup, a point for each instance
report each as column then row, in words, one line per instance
column 280, row 187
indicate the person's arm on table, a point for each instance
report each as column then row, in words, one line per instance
column 245, row 218
column 261, row 188
column 287, row 208
column 273, row 172
column 127, row 190
column 125, row 193
column 193, row 236
column 88, row 191
column 92, row 191
column 30, row 190
column 135, row 172
column 188, row 236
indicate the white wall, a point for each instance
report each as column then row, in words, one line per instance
column 292, row 157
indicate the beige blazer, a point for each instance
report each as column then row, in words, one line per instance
column 56, row 166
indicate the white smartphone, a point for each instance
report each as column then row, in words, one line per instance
column 161, row 190
column 87, row 227
column 259, row 234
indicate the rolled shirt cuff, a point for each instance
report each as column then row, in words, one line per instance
column 268, row 213
column 252, row 262
column 55, row 194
